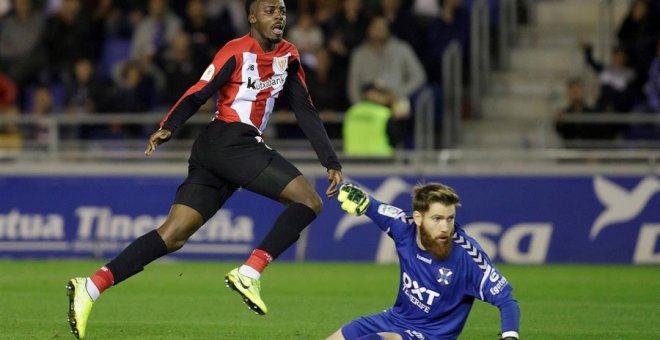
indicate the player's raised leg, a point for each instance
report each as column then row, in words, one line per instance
column 181, row 223
column 303, row 205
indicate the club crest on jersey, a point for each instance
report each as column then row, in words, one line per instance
column 444, row 276
column 281, row 63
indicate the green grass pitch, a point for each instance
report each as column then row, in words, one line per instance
column 188, row 300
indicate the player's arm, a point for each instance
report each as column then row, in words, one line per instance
column 311, row 124
column 216, row 75
column 488, row 284
column 308, row 117
column 355, row 200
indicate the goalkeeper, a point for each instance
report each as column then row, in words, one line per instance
column 442, row 270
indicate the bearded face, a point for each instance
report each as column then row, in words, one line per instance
column 435, row 229
column 440, row 248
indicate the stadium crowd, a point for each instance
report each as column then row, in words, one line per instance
column 86, row 57
column 629, row 83
column 81, row 57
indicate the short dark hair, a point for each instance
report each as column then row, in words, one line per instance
column 248, row 4
column 424, row 194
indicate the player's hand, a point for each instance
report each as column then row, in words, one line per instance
column 157, row 138
column 334, row 177
column 353, row 199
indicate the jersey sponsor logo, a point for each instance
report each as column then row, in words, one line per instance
column 281, row 63
column 444, row 276
column 208, row 73
column 257, row 84
column 389, row 211
column 620, row 204
column 415, row 334
column 424, row 259
column 499, row 286
column 418, row 295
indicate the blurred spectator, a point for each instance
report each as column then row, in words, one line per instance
column 43, row 106
column 232, row 10
column 327, row 87
column 308, row 37
column 5, row 7
column 452, row 24
column 350, row 24
column 10, row 137
column 426, row 8
column 134, row 92
column 652, row 86
column 20, row 35
column 180, row 69
column 69, row 36
column 616, row 93
column 86, row 94
column 324, row 11
column 206, row 33
column 402, row 23
column 651, row 104
column 114, row 17
column 577, row 104
column 154, row 32
column 386, row 61
column 8, row 92
column 371, row 129
column 638, row 35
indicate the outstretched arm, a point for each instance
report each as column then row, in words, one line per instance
column 216, row 75
column 308, row 117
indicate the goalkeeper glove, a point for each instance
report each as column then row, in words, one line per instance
column 353, row 199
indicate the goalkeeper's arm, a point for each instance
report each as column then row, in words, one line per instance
column 510, row 319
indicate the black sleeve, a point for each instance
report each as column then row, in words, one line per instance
column 308, row 118
column 589, row 58
column 196, row 96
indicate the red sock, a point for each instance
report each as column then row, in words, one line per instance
column 259, row 260
column 103, row 279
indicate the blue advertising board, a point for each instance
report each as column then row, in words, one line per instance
column 516, row 219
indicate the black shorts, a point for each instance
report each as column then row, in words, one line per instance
column 228, row 156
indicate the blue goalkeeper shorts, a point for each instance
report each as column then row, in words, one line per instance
column 378, row 323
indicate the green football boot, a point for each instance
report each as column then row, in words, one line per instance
column 80, row 304
column 249, row 289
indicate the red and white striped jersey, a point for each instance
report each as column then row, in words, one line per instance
column 248, row 81
column 257, row 79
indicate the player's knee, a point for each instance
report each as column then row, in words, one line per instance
column 314, row 202
column 172, row 241
column 173, row 237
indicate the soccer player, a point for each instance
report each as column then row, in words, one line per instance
column 248, row 74
column 442, row 270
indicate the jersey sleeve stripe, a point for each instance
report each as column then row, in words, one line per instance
column 474, row 253
column 197, row 95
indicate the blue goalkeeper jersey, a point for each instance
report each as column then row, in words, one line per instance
column 436, row 296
